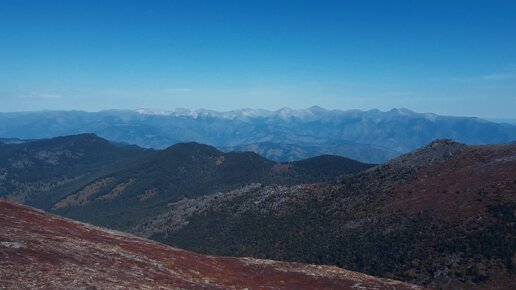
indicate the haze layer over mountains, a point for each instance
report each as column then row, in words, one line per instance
column 284, row 135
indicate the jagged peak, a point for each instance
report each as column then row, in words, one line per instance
column 402, row 111
column 442, row 142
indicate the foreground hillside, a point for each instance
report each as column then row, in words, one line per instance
column 89, row 178
column 39, row 251
column 442, row 216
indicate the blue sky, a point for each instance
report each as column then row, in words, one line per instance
column 449, row 57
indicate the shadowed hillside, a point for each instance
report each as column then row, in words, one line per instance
column 39, row 172
column 442, row 216
column 119, row 185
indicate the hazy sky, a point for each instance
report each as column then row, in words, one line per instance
column 449, row 57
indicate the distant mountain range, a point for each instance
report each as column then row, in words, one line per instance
column 283, row 135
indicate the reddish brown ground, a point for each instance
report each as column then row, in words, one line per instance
column 38, row 250
column 460, row 187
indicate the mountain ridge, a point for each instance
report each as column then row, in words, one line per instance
column 89, row 178
column 441, row 216
column 370, row 136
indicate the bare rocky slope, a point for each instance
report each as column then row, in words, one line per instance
column 40, row 251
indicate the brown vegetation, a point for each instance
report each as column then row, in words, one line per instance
column 84, row 195
column 39, row 251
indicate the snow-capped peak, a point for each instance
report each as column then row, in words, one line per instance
column 146, row 111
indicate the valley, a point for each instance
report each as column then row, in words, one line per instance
column 257, row 145
column 441, row 216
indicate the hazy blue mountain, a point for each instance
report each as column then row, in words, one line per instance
column 503, row 120
column 291, row 152
column 11, row 141
column 369, row 136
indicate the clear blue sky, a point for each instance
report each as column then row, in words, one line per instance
column 449, row 57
